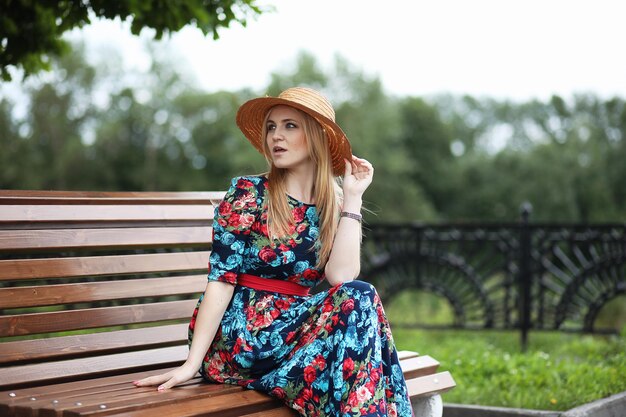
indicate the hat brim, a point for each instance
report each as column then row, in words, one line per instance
column 251, row 115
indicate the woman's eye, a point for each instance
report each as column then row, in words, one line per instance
column 291, row 125
column 271, row 127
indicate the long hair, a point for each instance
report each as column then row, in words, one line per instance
column 326, row 190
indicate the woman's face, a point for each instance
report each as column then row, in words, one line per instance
column 286, row 139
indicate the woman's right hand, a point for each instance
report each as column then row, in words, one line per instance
column 167, row 380
column 217, row 296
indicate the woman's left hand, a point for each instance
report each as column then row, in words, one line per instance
column 358, row 176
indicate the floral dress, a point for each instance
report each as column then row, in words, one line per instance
column 329, row 354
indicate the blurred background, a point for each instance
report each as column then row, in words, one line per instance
column 467, row 110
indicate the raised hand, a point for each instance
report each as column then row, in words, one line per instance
column 358, row 176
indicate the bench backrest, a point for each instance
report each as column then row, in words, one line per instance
column 97, row 283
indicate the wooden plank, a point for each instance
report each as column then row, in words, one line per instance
column 418, row 366
column 86, row 367
column 93, row 344
column 96, row 197
column 69, row 389
column 127, row 397
column 123, row 397
column 108, row 213
column 406, row 354
column 16, row 269
column 276, row 412
column 181, row 403
column 119, row 238
column 24, row 324
column 35, row 296
column 35, row 400
column 430, row 384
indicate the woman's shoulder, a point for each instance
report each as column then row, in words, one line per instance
column 250, row 185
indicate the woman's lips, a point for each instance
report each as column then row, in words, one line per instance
column 279, row 150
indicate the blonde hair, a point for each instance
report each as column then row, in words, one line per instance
column 326, row 190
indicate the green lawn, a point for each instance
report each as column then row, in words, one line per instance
column 558, row 372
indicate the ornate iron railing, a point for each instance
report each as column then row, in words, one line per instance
column 504, row 276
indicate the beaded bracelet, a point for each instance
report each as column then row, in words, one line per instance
column 354, row 216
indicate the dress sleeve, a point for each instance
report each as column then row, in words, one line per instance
column 231, row 228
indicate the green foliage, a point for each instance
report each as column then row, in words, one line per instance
column 427, row 141
column 558, row 372
column 30, row 31
column 562, row 156
column 99, row 127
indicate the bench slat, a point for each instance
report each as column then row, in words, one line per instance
column 20, row 269
column 181, row 402
column 36, row 401
column 17, row 325
column 120, row 396
column 430, row 384
column 74, row 388
column 19, row 240
column 406, row 354
column 35, row 296
column 95, row 213
column 125, row 397
column 56, row 348
column 108, row 197
column 85, row 367
column 419, row 366
column 276, row 412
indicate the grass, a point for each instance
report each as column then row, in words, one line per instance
column 559, row 371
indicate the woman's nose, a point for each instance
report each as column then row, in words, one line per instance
column 277, row 134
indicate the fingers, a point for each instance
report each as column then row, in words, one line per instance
column 360, row 161
column 348, row 168
column 164, row 381
column 152, row 380
column 168, row 380
column 169, row 383
column 361, row 165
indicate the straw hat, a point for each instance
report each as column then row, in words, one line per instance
column 251, row 115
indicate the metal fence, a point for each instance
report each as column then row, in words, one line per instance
column 503, row 276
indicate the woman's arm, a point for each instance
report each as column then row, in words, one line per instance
column 344, row 263
column 231, row 228
column 217, row 295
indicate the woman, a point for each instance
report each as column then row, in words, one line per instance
column 276, row 236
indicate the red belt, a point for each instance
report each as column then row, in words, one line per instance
column 272, row 285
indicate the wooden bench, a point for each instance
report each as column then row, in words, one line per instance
column 96, row 290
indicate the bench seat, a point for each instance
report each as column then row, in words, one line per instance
column 115, row 395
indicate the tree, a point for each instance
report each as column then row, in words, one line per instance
column 427, row 139
column 30, row 31
column 101, row 127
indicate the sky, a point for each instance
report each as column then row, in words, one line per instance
column 504, row 49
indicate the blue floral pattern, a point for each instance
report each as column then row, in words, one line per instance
column 329, row 354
